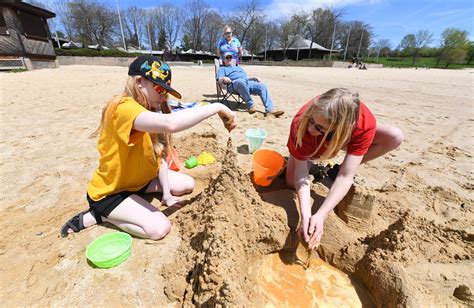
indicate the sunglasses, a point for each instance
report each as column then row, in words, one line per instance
column 160, row 89
column 320, row 129
column 228, row 33
column 228, row 57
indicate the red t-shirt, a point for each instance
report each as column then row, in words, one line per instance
column 358, row 145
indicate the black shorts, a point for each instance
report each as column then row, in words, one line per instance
column 105, row 206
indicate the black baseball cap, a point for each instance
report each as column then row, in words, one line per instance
column 155, row 70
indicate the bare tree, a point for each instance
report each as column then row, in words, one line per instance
column 380, row 45
column 319, row 25
column 299, row 24
column 271, row 34
column 134, row 25
column 256, row 37
column 212, row 30
column 194, row 25
column 422, row 39
column 248, row 13
column 63, row 14
column 172, row 19
column 93, row 22
column 290, row 29
column 353, row 34
column 153, row 25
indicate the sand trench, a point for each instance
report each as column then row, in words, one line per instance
column 236, row 228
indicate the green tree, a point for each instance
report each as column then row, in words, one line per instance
column 407, row 45
column 429, row 52
column 470, row 52
column 454, row 46
column 162, row 39
column 186, row 42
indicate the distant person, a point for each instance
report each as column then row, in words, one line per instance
column 336, row 120
column 166, row 55
column 229, row 44
column 135, row 136
column 237, row 81
column 178, row 52
column 362, row 66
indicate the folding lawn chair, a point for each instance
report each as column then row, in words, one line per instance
column 225, row 93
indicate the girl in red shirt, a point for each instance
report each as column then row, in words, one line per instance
column 321, row 128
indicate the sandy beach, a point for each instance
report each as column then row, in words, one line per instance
column 415, row 250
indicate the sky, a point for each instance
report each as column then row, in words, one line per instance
column 390, row 19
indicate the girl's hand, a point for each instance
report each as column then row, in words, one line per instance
column 303, row 230
column 228, row 118
column 316, row 230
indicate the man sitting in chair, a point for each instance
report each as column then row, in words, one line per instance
column 237, row 81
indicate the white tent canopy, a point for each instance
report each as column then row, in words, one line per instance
column 301, row 43
column 71, row 44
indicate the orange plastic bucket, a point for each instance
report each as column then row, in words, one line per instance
column 267, row 164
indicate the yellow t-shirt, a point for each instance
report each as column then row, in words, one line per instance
column 126, row 162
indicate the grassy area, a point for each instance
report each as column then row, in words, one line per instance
column 18, row 70
column 420, row 62
column 86, row 52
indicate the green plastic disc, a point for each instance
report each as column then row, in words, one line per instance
column 110, row 249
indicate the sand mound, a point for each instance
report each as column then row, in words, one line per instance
column 226, row 227
column 412, row 262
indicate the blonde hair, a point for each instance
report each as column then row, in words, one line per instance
column 227, row 27
column 161, row 141
column 340, row 107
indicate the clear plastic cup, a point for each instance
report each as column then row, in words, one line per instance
column 255, row 136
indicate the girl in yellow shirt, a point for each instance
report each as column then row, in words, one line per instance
column 134, row 140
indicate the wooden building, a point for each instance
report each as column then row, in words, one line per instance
column 298, row 50
column 25, row 39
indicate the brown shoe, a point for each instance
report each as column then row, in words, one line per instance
column 252, row 110
column 276, row 114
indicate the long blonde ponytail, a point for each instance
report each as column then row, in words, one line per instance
column 161, row 141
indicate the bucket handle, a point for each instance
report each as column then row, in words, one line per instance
column 279, row 172
column 284, row 166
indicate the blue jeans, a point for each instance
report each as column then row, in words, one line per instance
column 247, row 87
